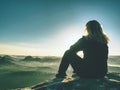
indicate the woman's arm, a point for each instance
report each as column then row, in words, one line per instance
column 79, row 45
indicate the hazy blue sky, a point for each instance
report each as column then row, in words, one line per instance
column 49, row 27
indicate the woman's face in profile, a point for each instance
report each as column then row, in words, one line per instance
column 85, row 31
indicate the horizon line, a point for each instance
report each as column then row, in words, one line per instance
column 45, row 55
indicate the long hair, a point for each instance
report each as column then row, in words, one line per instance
column 95, row 32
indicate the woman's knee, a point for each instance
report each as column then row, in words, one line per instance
column 67, row 55
column 67, row 52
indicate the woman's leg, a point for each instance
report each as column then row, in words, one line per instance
column 63, row 65
column 69, row 58
column 76, row 63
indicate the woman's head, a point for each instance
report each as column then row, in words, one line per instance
column 95, row 31
column 93, row 27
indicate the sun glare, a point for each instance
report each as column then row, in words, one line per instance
column 70, row 41
column 71, row 35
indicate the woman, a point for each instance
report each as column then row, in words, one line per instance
column 95, row 50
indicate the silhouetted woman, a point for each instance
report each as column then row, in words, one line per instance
column 95, row 50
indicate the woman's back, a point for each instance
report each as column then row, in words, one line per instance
column 94, row 49
column 95, row 58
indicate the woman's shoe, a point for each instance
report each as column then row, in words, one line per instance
column 61, row 75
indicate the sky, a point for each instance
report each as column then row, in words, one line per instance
column 50, row 27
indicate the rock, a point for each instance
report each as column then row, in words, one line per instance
column 110, row 82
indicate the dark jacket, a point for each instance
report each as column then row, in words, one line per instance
column 95, row 57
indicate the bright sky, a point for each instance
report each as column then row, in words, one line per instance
column 50, row 27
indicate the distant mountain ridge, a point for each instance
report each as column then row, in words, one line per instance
column 6, row 60
column 43, row 59
column 30, row 58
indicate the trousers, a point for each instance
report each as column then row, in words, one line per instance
column 81, row 67
column 70, row 59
